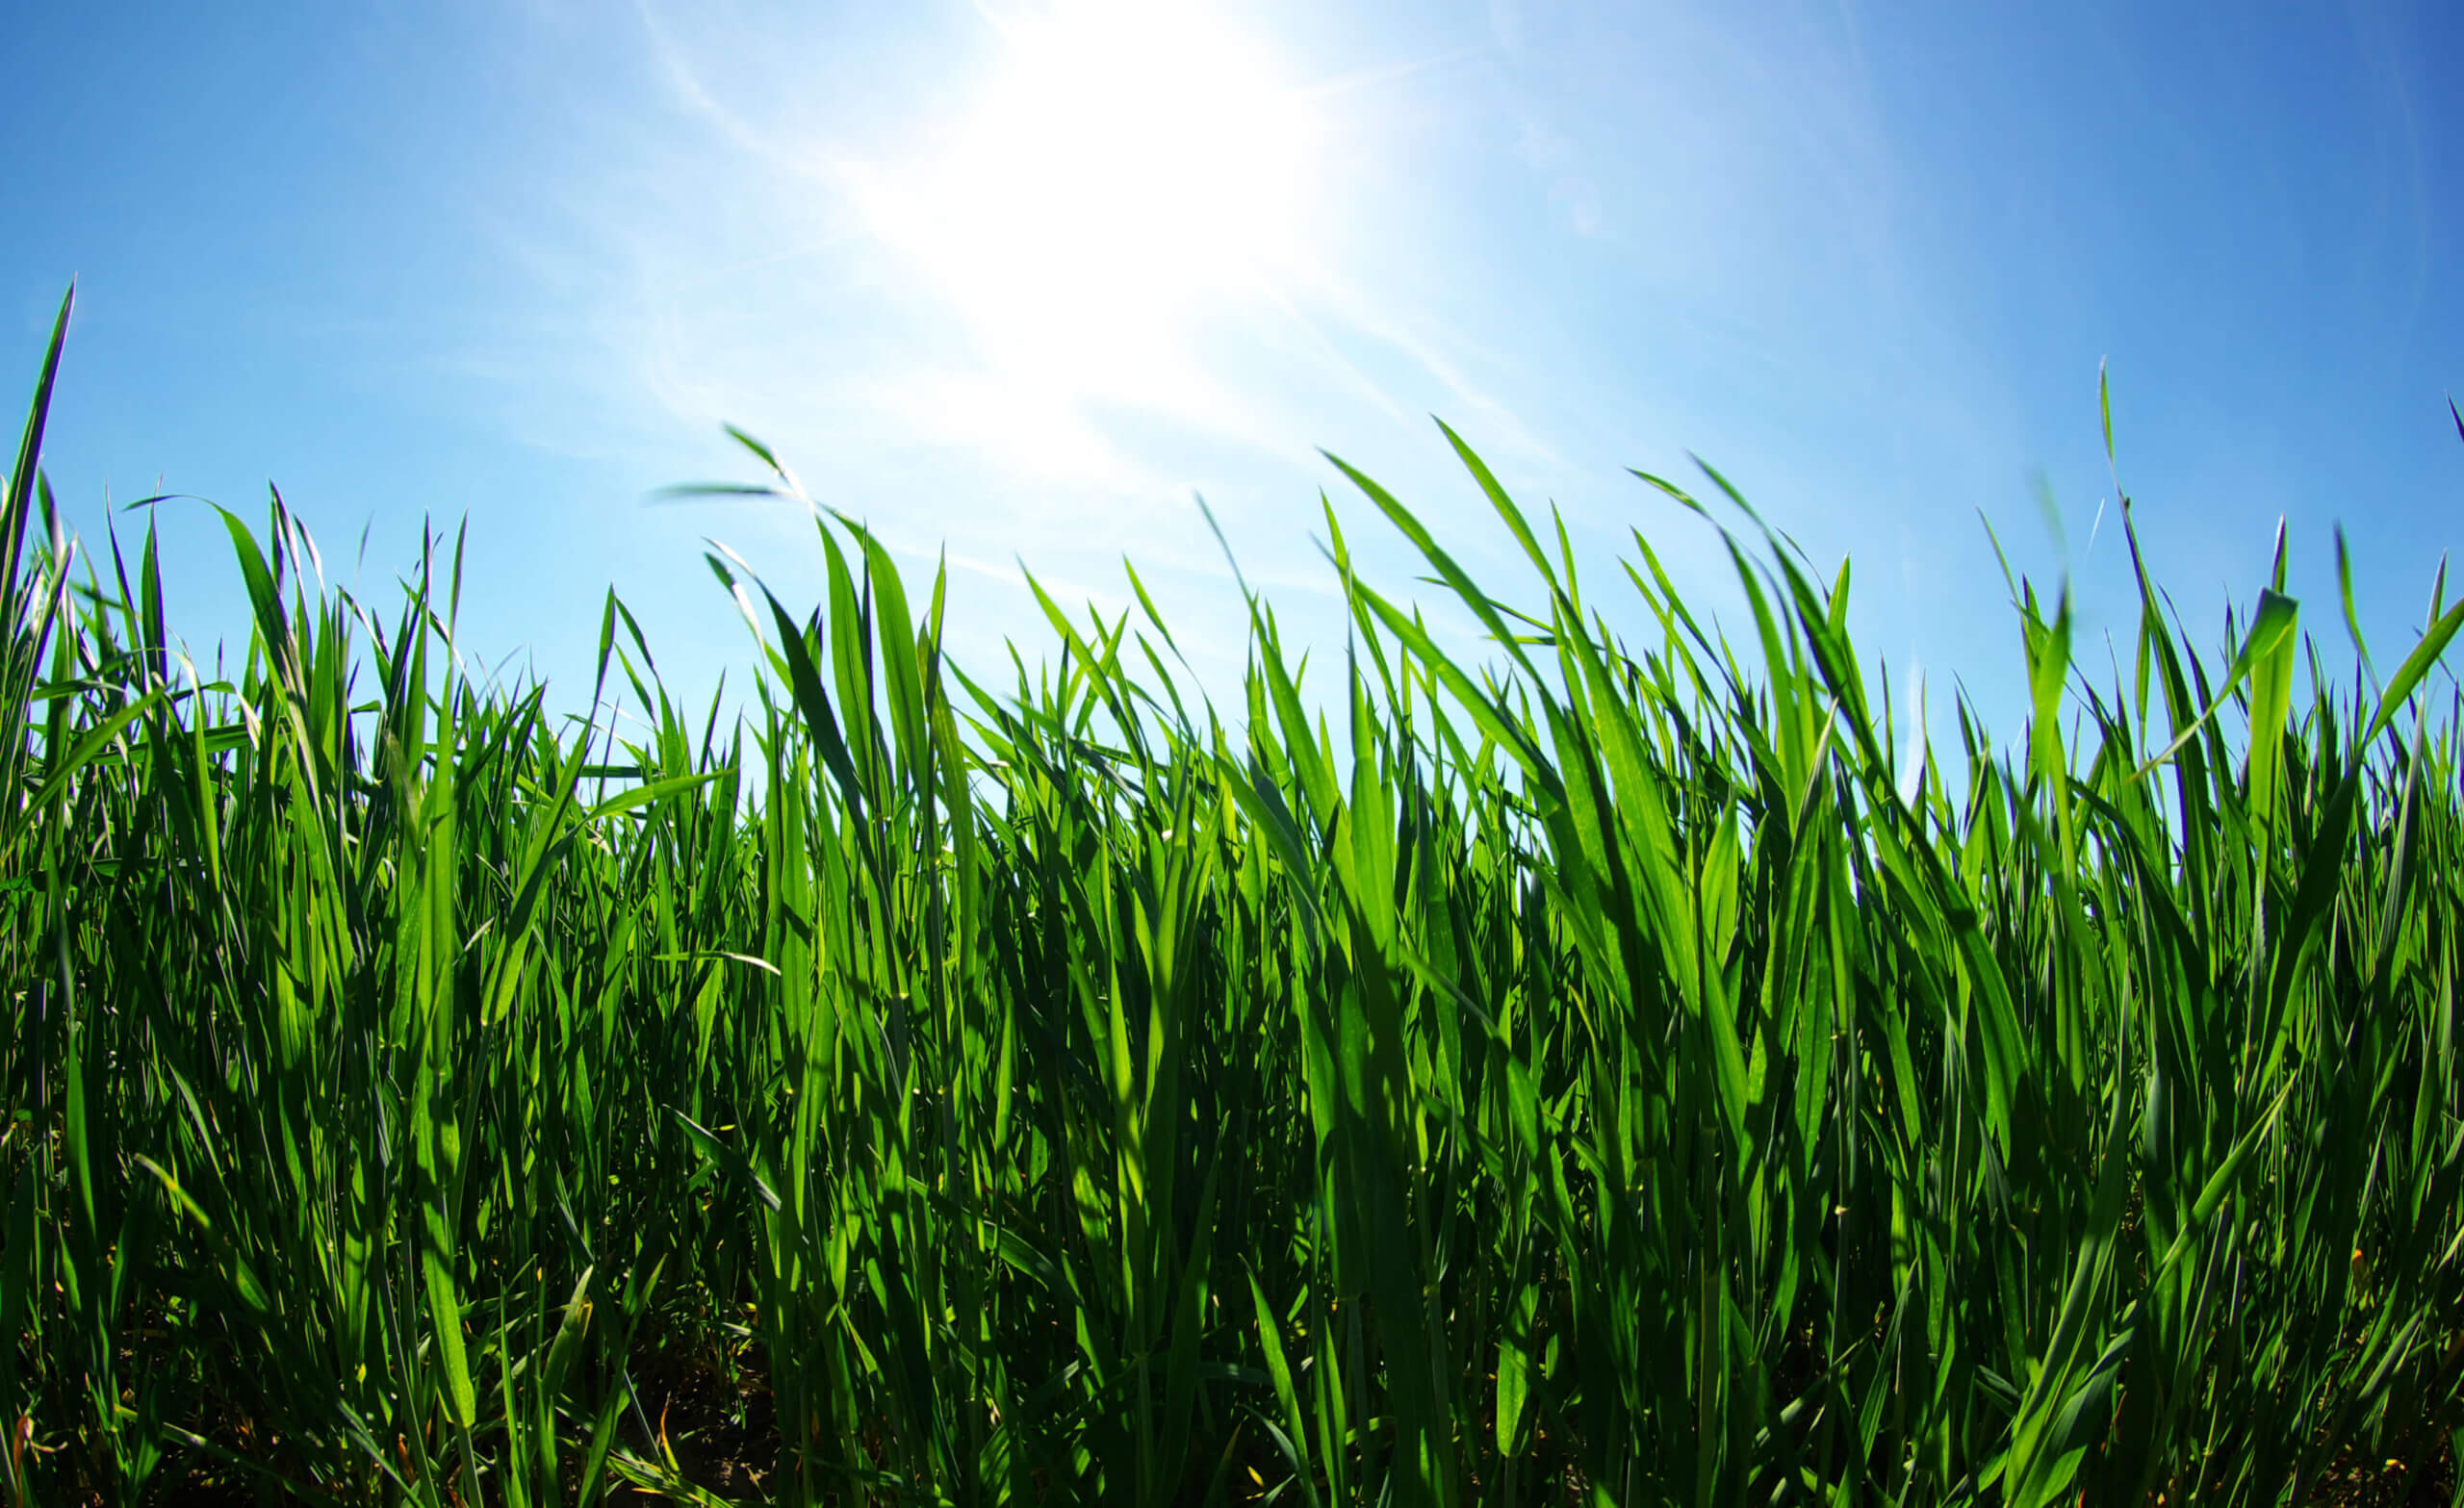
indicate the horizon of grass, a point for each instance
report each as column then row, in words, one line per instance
column 1610, row 1079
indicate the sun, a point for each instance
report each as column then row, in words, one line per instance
column 1128, row 169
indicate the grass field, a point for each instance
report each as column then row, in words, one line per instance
column 1614, row 1076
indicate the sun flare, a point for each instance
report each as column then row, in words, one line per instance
column 1128, row 169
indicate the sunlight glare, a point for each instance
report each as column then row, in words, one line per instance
column 1131, row 167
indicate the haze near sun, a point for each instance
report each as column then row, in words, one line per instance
column 1125, row 170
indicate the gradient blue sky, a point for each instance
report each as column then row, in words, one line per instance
column 1016, row 281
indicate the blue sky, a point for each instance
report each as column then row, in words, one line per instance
column 1015, row 279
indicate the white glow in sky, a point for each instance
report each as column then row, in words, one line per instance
column 1128, row 169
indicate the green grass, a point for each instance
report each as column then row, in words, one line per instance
column 1604, row 1077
